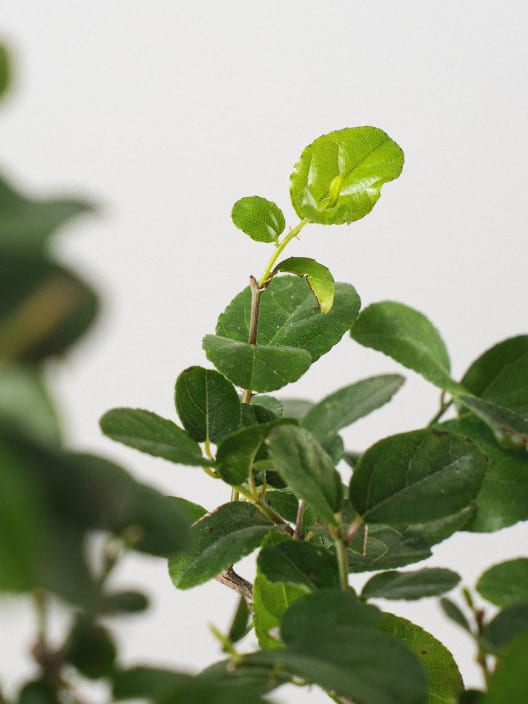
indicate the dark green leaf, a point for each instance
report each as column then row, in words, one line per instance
column 444, row 682
column 150, row 433
column 257, row 367
column 38, row 692
column 237, row 453
column 26, row 224
column 501, row 375
column 454, row 613
column 43, row 307
column 318, row 276
column 343, row 407
column 297, row 562
column 509, row 684
column 289, row 316
column 128, row 602
column 503, row 498
column 505, row 584
column 307, row 469
column 218, row 540
column 338, row 177
column 434, row 532
column 5, row 70
column 208, row 405
column 504, row 627
column 510, row 428
column 253, row 414
column 385, row 548
column 259, row 218
column 416, row 477
column 270, row 403
column 286, row 504
column 408, row 337
column 192, row 512
column 239, row 626
column 429, row 581
column 90, row 649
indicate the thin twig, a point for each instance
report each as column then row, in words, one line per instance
column 234, row 581
column 297, row 533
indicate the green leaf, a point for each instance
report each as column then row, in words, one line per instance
column 238, row 453
column 501, row 375
column 318, row 276
column 254, row 414
column 259, row 218
column 444, row 682
column 90, row 649
column 239, row 626
column 192, row 512
column 331, row 640
column 297, row 562
column 5, row 70
column 454, row 613
column 207, row 404
column 434, row 532
column 257, row 367
column 307, row 469
column 124, row 602
column 289, row 317
column 345, row 406
column 408, row 337
column 38, row 692
column 44, row 308
column 286, row 504
column 218, row 540
column 338, row 178
column 416, row 477
column 509, row 682
column 510, row 428
column 503, row 498
column 385, row 548
column 505, row 584
column 504, row 627
column 150, row 433
column 429, row 581
column 26, row 224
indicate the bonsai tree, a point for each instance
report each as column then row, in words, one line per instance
column 285, row 467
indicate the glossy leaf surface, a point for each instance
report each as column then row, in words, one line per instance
column 318, row 276
column 506, row 583
column 307, row 469
column 207, row 404
column 429, row 581
column 218, row 540
column 338, row 178
column 259, row 218
column 150, row 433
column 416, row 477
column 408, row 337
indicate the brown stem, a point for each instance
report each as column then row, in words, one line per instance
column 234, row 581
column 297, row 533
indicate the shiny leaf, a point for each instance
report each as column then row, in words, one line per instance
column 318, row 276
column 259, row 218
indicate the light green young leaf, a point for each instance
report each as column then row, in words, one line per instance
column 307, row 470
column 510, row 428
column 218, row 540
column 408, row 337
column 256, row 367
column 429, row 581
column 150, row 433
column 416, row 477
column 259, row 218
column 289, row 316
column 207, row 404
column 345, row 406
column 318, row 276
column 505, row 584
column 338, row 178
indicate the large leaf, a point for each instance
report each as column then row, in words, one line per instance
column 331, row 640
column 444, row 682
column 338, row 177
column 416, row 477
column 501, row 374
column 318, row 276
column 509, row 683
column 259, row 218
column 503, row 498
column 408, row 337
column 506, row 583
column 429, row 581
column 256, row 367
column 218, row 540
column 150, row 433
column 307, row 469
column 208, row 405
column 510, row 428
column 26, row 224
column 43, row 307
column 289, row 316
column 350, row 403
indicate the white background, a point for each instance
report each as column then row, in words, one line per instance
column 165, row 113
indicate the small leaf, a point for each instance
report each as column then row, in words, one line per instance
column 510, row 428
column 504, row 627
column 207, row 404
column 218, row 540
column 38, row 692
column 454, row 613
column 254, row 414
column 150, row 433
column 408, row 337
column 297, row 562
column 345, row 406
column 239, row 626
column 505, row 584
column 307, row 469
column 416, row 477
column 429, row 581
column 124, row 602
column 237, row 453
column 509, row 682
column 318, row 276
column 90, row 649
column 256, row 367
column 259, row 218
column 270, row 403
column 338, row 178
